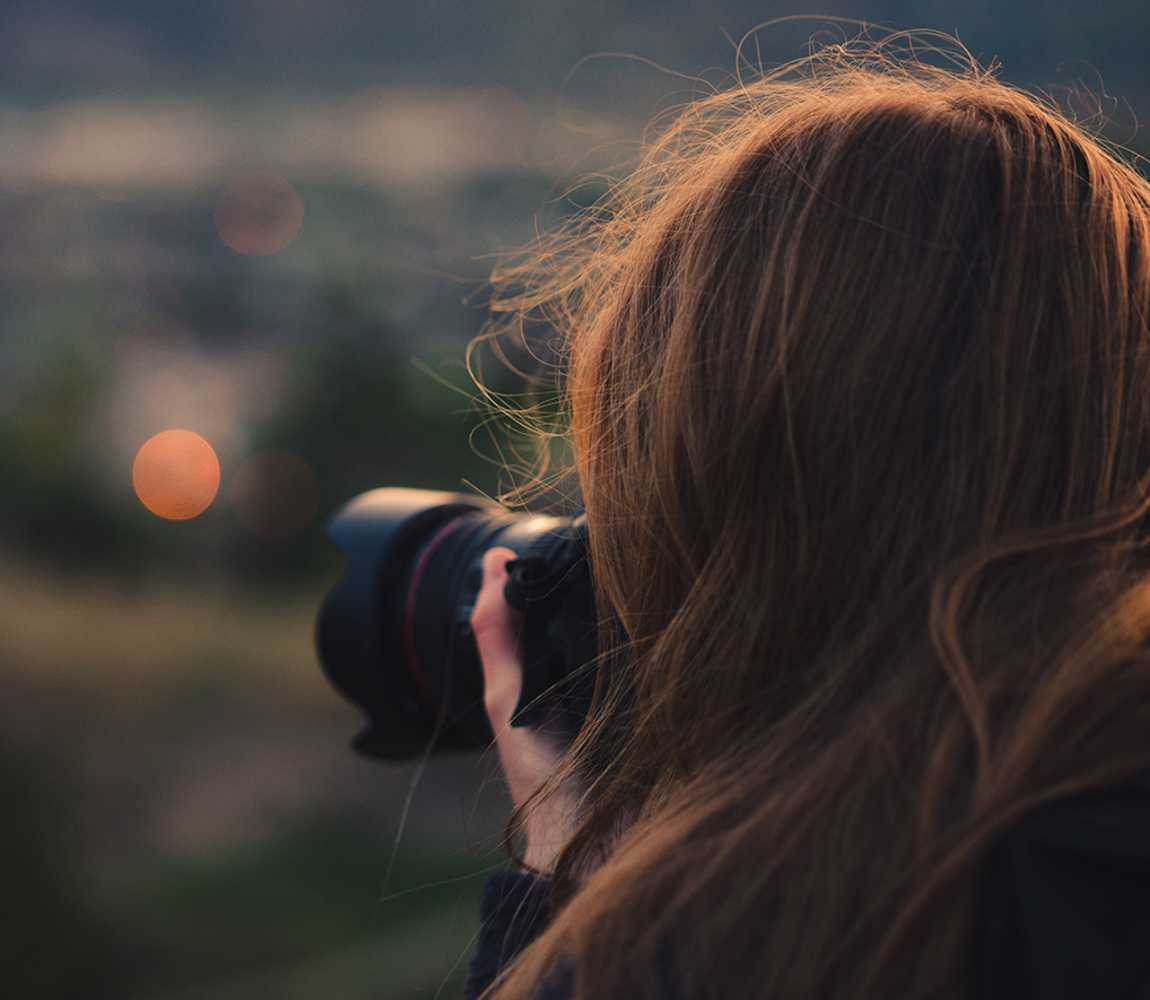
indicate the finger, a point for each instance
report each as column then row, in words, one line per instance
column 495, row 626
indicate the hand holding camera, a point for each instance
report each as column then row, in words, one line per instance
column 528, row 755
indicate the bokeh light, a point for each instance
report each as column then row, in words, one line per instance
column 275, row 494
column 258, row 213
column 176, row 474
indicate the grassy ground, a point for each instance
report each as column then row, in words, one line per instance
column 192, row 824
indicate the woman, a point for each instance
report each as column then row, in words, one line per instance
column 858, row 376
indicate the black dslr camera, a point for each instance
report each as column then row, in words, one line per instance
column 393, row 634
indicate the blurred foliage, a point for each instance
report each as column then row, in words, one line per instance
column 287, row 904
column 49, row 506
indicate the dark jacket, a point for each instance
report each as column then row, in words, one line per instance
column 1064, row 911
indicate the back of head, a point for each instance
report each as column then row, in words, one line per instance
column 857, row 370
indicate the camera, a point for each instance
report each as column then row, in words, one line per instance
column 393, row 634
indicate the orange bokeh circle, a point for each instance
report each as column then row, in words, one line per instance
column 176, row 475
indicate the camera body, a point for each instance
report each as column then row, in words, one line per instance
column 393, row 634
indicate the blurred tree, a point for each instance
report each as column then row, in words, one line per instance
column 49, row 506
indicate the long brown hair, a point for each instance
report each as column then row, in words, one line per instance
column 855, row 369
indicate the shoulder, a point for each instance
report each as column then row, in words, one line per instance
column 514, row 907
column 1065, row 902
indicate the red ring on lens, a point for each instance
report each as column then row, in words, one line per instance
column 412, row 657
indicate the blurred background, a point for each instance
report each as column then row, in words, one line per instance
column 267, row 224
